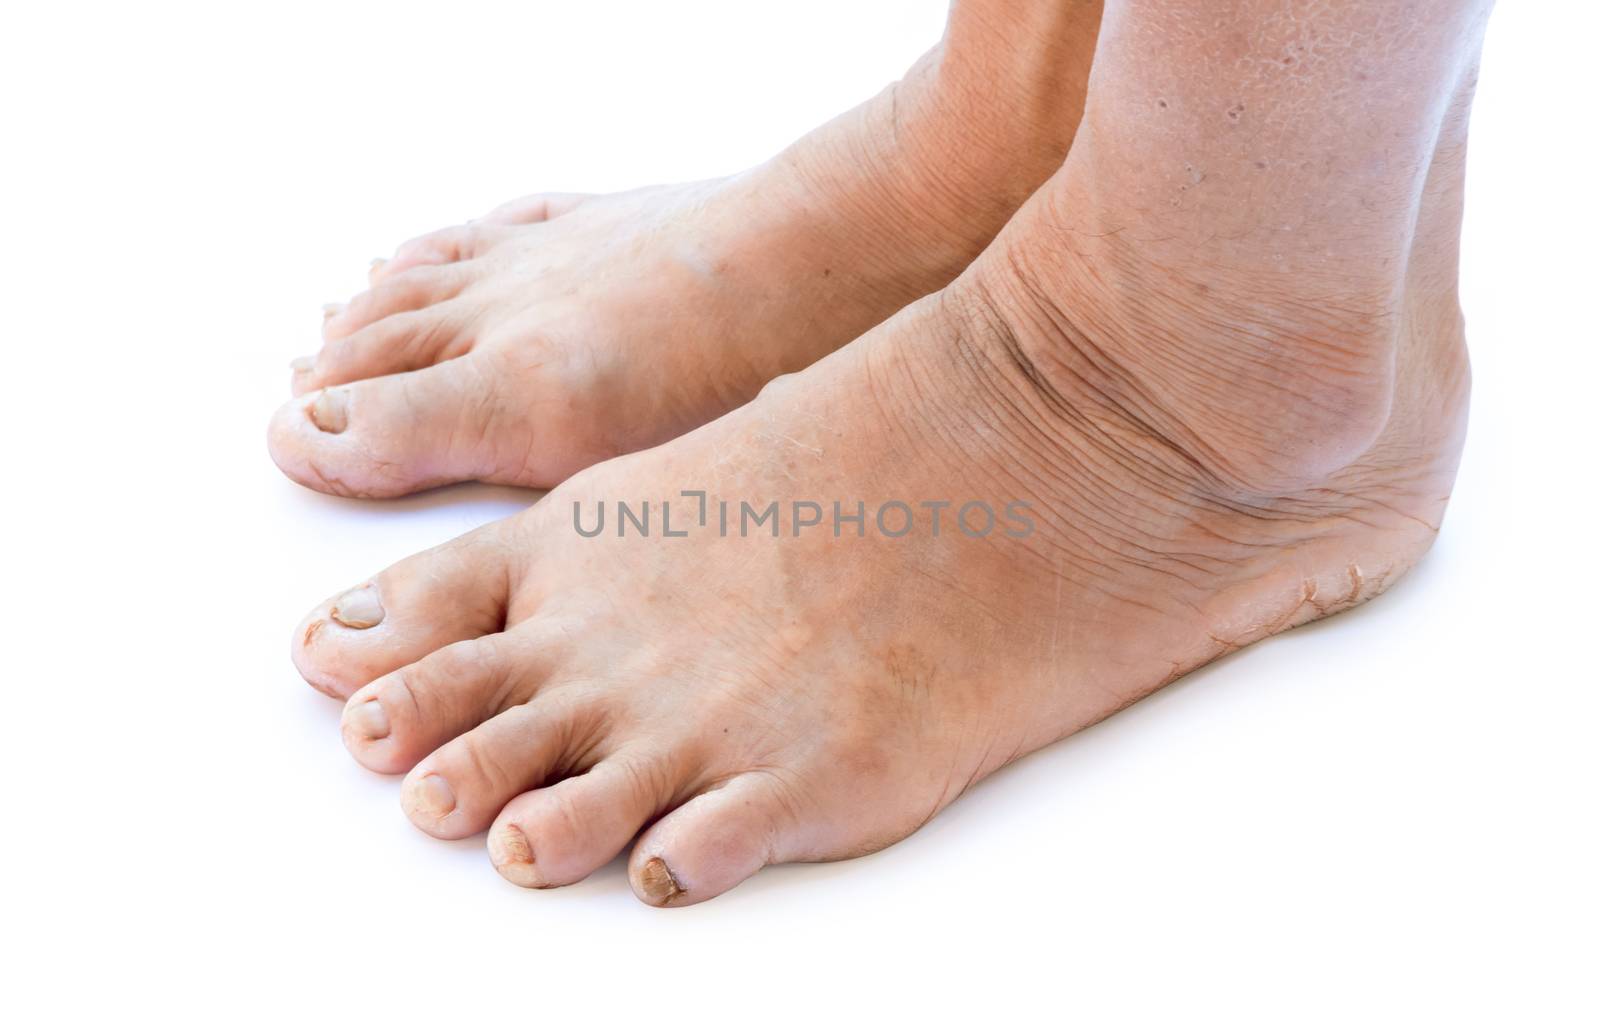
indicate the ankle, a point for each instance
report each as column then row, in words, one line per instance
column 925, row 174
column 997, row 104
column 1262, row 387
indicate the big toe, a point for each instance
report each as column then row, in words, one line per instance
column 453, row 592
column 398, row 434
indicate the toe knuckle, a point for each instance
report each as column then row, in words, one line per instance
column 335, row 352
column 484, row 765
column 563, row 822
column 437, row 244
column 645, row 779
column 404, row 690
column 469, row 241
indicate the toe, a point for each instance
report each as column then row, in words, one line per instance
column 459, row 788
column 398, row 434
column 446, row 246
column 562, row 834
column 452, row 592
column 397, row 292
column 539, row 207
column 401, row 342
column 713, row 842
column 460, row 243
column 392, row 723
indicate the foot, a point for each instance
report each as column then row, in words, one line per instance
column 563, row 330
column 744, row 698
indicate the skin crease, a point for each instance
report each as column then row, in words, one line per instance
column 726, row 703
column 561, row 330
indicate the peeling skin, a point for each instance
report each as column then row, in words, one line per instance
column 358, row 608
column 328, row 411
column 657, row 882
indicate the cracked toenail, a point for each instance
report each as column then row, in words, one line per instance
column 657, row 882
column 431, row 795
column 513, row 858
column 327, row 411
column 301, row 365
column 509, row 846
column 370, row 719
column 358, row 608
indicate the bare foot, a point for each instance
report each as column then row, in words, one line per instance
column 744, row 698
column 1172, row 410
column 562, row 330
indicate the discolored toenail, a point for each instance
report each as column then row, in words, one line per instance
column 369, row 719
column 431, row 795
column 509, row 846
column 358, row 608
column 301, row 365
column 512, row 856
column 328, row 411
column 655, row 878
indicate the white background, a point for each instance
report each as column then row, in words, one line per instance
column 1387, row 818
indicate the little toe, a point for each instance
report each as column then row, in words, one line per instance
column 398, row 434
column 458, row 789
column 427, row 601
column 529, row 210
column 562, row 834
column 715, row 841
column 446, row 246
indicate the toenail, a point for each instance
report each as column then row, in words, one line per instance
column 431, row 795
column 327, row 411
column 358, row 608
column 301, row 365
column 331, row 309
column 509, row 846
column 369, row 719
column 375, row 267
column 513, row 858
column 657, row 882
